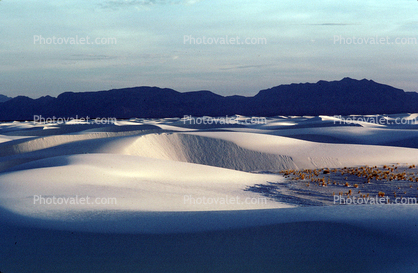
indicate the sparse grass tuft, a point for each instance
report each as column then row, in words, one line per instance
column 368, row 178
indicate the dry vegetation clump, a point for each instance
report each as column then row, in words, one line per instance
column 372, row 180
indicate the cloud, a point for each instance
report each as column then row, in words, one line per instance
column 332, row 24
column 245, row 67
column 117, row 4
column 90, row 57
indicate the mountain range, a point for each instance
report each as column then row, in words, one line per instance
column 344, row 97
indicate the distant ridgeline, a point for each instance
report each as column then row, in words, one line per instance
column 347, row 96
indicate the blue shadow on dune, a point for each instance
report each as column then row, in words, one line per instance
column 298, row 246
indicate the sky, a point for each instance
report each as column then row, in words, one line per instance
column 191, row 45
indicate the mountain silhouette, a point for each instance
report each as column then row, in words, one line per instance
column 4, row 98
column 344, row 97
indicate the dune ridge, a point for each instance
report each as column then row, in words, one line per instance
column 206, row 151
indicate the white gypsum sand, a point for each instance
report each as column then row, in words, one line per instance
column 161, row 176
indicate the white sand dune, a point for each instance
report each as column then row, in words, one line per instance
column 203, row 150
column 33, row 161
column 151, row 178
column 136, row 183
column 307, row 154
